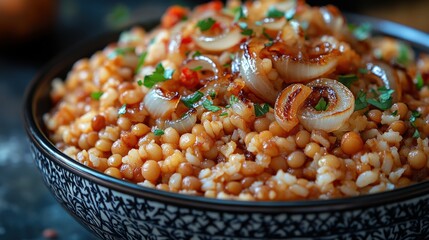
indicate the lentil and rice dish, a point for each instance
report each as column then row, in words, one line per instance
column 261, row 100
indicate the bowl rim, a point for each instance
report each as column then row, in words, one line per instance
column 63, row 62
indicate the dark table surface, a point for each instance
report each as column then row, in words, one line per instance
column 26, row 206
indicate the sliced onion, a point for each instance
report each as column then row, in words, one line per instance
column 386, row 76
column 184, row 124
column 206, row 63
column 275, row 24
column 160, row 103
column 253, row 74
column 340, row 106
column 288, row 104
column 230, row 38
column 244, row 108
column 304, row 66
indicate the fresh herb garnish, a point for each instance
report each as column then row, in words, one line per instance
column 224, row 114
column 239, row 14
column 233, row 99
column 322, row 105
column 419, row 82
column 274, row 13
column 384, row 100
column 416, row 133
column 158, row 132
column 269, row 44
column 212, row 94
column 413, row 117
column 120, row 51
column 198, row 68
column 160, row 75
column 140, row 82
column 395, row 113
column 196, row 54
column 264, row 32
column 245, row 30
column 206, row 24
column 207, row 104
column 141, row 62
column 363, row 70
column 191, row 100
column 361, row 32
column 122, row 110
column 261, row 110
column 403, row 57
column 347, row 80
column 360, row 102
column 96, row 95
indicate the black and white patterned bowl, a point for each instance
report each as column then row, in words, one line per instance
column 115, row 209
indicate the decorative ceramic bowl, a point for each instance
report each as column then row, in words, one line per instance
column 115, row 209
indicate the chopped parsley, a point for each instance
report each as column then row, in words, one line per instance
column 207, row 104
column 363, row 70
column 269, row 44
column 224, row 114
column 122, row 110
column 206, row 24
column 198, row 68
column 120, row 52
column 322, row 105
column 239, row 14
column 395, row 113
column 264, row 32
column 384, row 100
column 403, row 57
column 347, row 80
column 261, row 110
column 413, row 117
column 274, row 13
column 212, row 94
column 245, row 30
column 140, row 82
column 160, row 75
column 158, row 132
column 191, row 100
column 96, row 95
column 419, row 82
column 416, row 133
column 140, row 63
column 196, row 54
column 361, row 32
column 233, row 99
column 360, row 102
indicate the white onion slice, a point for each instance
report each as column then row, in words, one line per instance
column 230, row 38
column 184, row 124
column 160, row 103
column 205, row 62
column 388, row 77
column 288, row 104
column 340, row 106
column 253, row 74
column 275, row 24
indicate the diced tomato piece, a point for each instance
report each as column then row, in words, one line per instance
column 173, row 15
column 213, row 6
column 189, row 78
column 187, row 40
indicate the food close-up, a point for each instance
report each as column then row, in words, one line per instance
column 263, row 100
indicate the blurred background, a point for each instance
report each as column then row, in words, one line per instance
column 34, row 31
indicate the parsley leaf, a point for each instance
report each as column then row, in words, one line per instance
column 347, row 80
column 160, row 75
column 416, row 133
column 403, row 57
column 361, row 32
column 247, row 32
column 122, row 110
column 413, row 117
column 158, row 132
column 395, row 113
column 269, row 44
column 384, row 101
column 198, row 68
column 191, row 100
column 96, row 95
column 196, row 54
column 233, row 99
column 363, row 70
column 224, row 114
column 239, row 14
column 274, row 13
column 206, row 24
column 141, row 62
column 360, row 102
column 419, row 82
column 212, row 94
column 322, row 105
column 261, row 110
column 264, row 32
column 207, row 104
column 140, row 82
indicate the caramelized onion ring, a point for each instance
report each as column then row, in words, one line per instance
column 160, row 103
column 253, row 74
column 340, row 106
column 288, row 104
column 385, row 75
column 185, row 123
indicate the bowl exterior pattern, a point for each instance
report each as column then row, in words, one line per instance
column 112, row 214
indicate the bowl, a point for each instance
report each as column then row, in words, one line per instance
column 116, row 209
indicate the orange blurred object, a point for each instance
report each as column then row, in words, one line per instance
column 22, row 20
